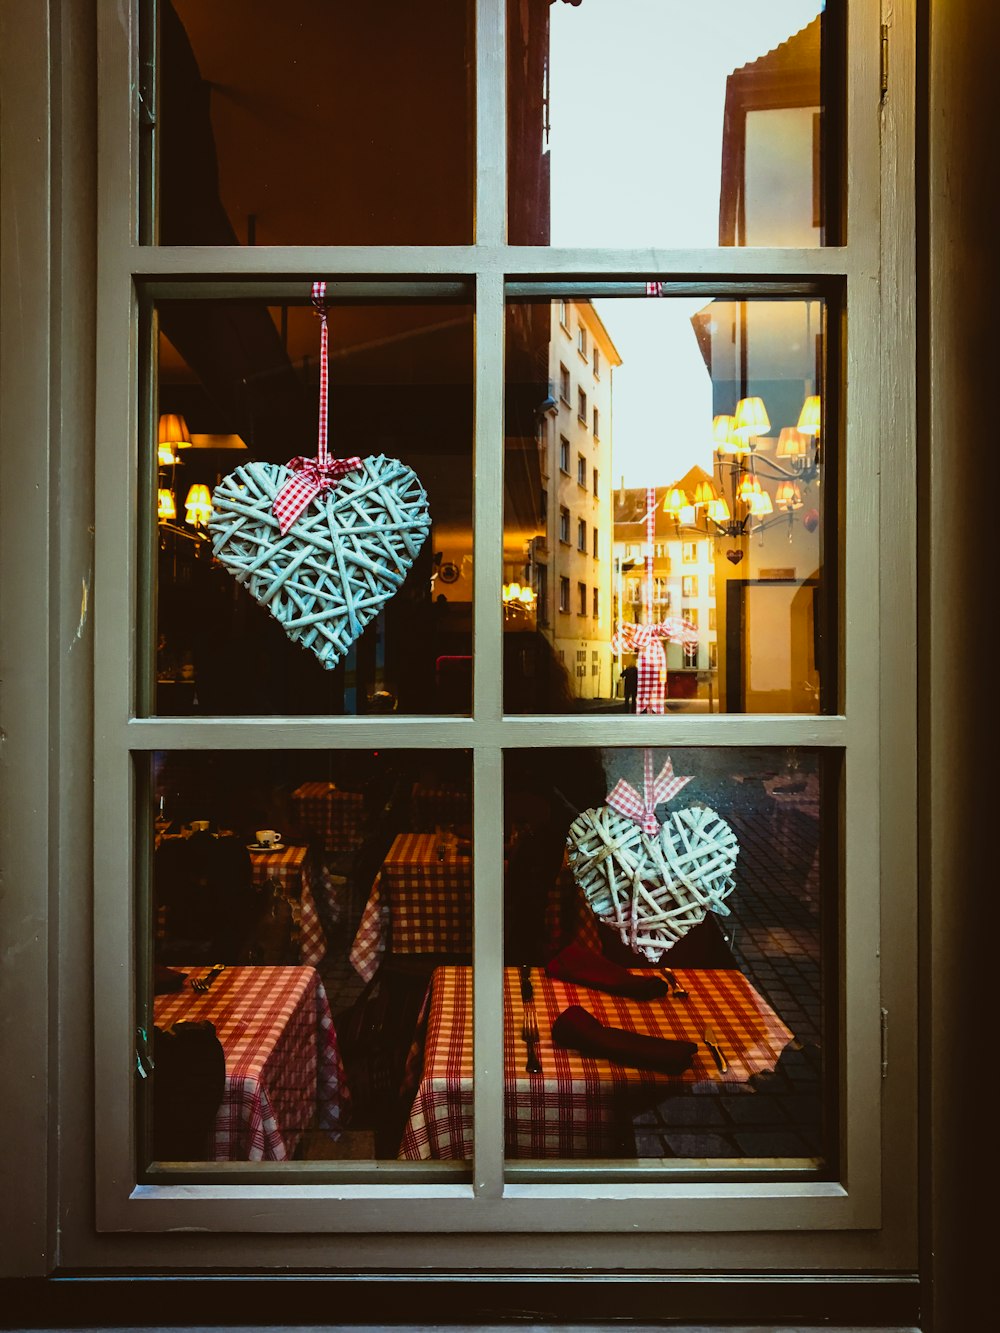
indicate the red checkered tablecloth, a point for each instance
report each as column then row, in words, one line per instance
column 418, row 903
column 335, row 817
column 288, row 872
column 579, row 1106
column 283, row 1068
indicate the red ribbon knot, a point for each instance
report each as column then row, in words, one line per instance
column 311, row 477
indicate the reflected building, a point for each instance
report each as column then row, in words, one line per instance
column 558, row 557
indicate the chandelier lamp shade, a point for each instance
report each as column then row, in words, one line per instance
column 735, row 503
column 198, row 505
column 166, row 508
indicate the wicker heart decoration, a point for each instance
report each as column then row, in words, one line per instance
column 652, row 888
column 338, row 564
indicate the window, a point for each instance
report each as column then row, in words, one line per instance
column 543, row 505
column 689, row 585
column 597, row 490
column 773, row 335
column 564, row 315
column 711, row 617
column 597, row 424
column 691, row 616
column 690, row 553
column 581, row 341
column 597, row 364
column 713, row 656
column 581, row 470
column 690, row 655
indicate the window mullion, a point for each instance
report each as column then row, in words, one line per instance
column 491, row 121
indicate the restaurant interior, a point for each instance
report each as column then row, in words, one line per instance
column 308, row 915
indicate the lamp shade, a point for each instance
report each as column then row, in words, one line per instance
column 724, row 435
column 809, row 417
column 792, row 443
column 674, row 501
column 198, row 505
column 172, row 429
column 165, row 506
column 751, row 418
column 748, row 488
column 760, row 503
column 704, row 493
column 788, row 496
column 718, row 512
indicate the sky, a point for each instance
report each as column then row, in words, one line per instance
column 636, row 103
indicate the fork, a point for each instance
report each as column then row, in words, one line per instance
column 201, row 984
column 532, row 1037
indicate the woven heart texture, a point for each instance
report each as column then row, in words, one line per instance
column 346, row 554
column 653, row 889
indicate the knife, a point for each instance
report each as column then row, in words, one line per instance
column 710, row 1041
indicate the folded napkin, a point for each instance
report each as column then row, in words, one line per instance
column 576, row 963
column 582, row 1032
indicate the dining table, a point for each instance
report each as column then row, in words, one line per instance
column 579, row 1105
column 433, row 804
column 333, row 816
column 420, row 903
column 284, row 1073
column 287, row 872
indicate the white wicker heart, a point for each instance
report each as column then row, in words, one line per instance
column 342, row 559
column 653, row 889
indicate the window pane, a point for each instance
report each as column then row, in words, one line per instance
column 662, row 123
column 328, row 886
column 592, row 932
column 240, row 381
column 314, row 124
column 714, row 435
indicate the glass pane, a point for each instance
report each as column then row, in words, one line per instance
column 667, row 507
column 300, row 904
column 237, row 385
column 637, row 942
column 670, row 124
column 311, row 123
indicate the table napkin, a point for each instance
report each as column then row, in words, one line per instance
column 582, row 1032
column 582, row 965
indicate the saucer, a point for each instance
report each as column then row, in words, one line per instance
column 256, row 847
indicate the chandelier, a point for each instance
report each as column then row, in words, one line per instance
column 735, row 503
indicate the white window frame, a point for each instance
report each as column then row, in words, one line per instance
column 764, row 1223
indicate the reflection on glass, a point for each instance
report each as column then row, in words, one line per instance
column 725, row 890
column 301, row 903
column 238, row 381
column 665, row 123
column 664, row 547
column 314, row 124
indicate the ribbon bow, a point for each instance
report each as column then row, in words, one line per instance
column 656, row 791
column 312, row 476
column 652, row 663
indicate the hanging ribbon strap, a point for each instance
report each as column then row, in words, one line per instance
column 656, row 791
column 312, row 476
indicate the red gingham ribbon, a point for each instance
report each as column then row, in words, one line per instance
column 654, row 288
column 656, row 791
column 313, row 475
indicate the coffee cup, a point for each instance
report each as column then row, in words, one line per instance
column 199, row 825
column 267, row 837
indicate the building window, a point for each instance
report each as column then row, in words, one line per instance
column 597, row 424
column 711, row 617
column 691, row 616
column 713, row 656
column 581, row 471
column 711, row 585
column 543, row 501
column 581, row 597
column 563, row 523
column 563, row 454
column 596, row 604
column 690, row 553
column 690, row 654
column 564, row 594
column 581, row 406
column 564, row 315
column 581, row 534
column 597, row 362
column 689, row 585
column 564, row 384
column 596, row 543
column 597, row 493
column 581, row 341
